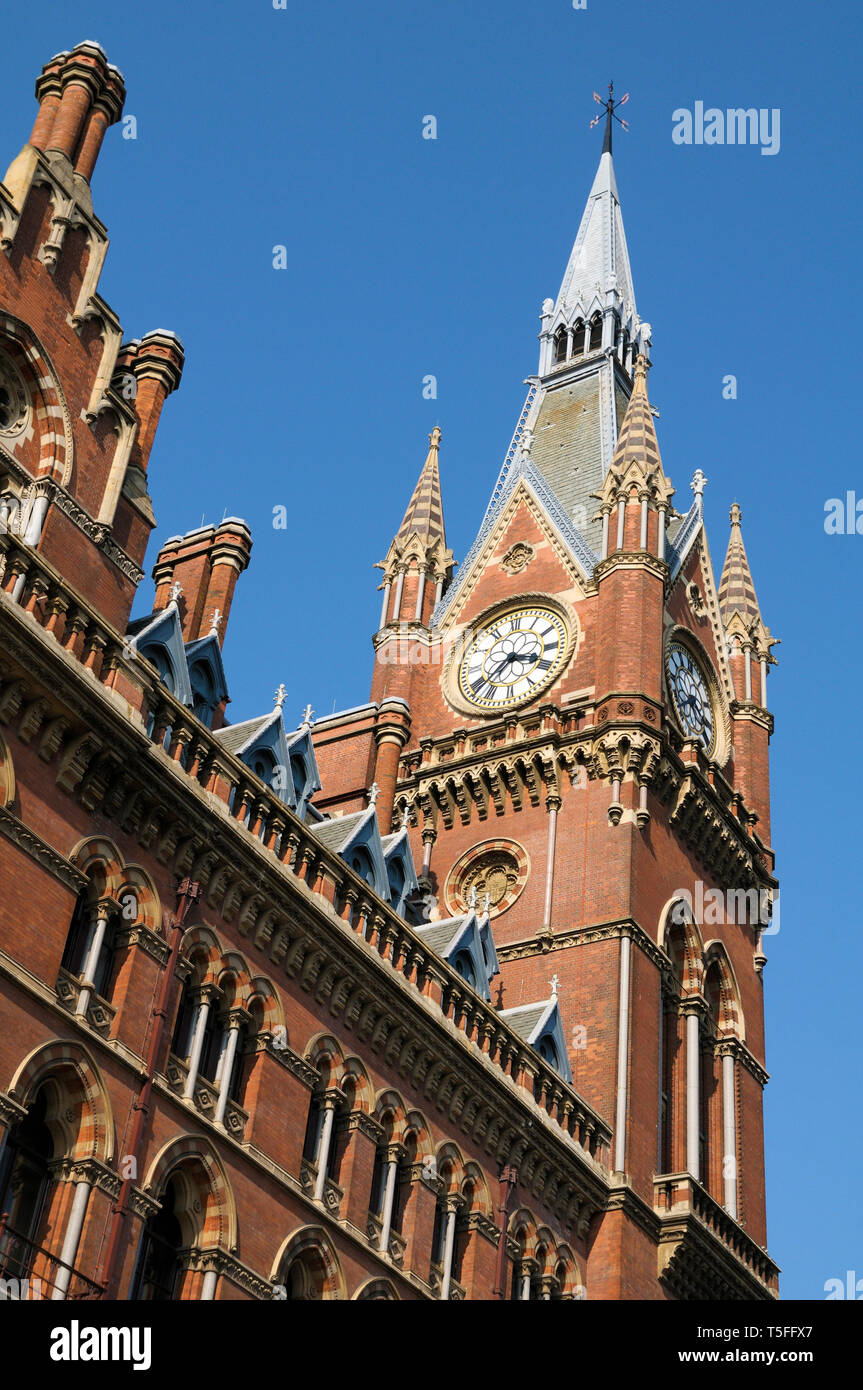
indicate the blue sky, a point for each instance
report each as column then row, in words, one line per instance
column 302, row 127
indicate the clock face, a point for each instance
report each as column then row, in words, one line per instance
column 512, row 658
column 691, row 693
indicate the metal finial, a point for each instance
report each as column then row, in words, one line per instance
column 610, row 107
column 698, row 483
column 374, row 793
column 472, row 899
column 216, row 622
column 176, row 591
column 555, row 985
column 486, row 904
column 279, row 696
column 406, row 817
column 308, row 717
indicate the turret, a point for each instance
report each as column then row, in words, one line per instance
column 750, row 655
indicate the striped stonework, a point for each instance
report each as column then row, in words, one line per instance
column 424, row 516
column 736, row 588
column 637, row 442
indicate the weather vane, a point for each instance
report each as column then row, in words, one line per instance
column 610, row 108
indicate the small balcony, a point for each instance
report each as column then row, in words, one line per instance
column 29, row 1272
column 703, row 1251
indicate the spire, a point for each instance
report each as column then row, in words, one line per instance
column 418, row 562
column 599, row 262
column 424, row 516
column 736, row 587
column 637, row 449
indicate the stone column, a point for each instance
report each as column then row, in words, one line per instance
column 208, row 996
column 105, row 909
column 70, row 1240
column 693, row 1080
column 236, row 1018
column 395, row 1155
column 729, row 1128
column 622, row 1054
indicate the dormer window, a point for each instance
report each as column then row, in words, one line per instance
column 464, row 966
column 548, row 1052
column 263, row 766
column 361, row 863
column 203, row 691
column 162, row 662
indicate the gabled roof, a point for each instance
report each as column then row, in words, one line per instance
column 164, row 628
column 533, row 1022
column 338, row 833
column 240, row 738
column 466, row 932
column 208, row 649
column 521, row 470
column 345, row 833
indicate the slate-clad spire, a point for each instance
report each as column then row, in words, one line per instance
column 599, row 260
column 424, row 516
column 736, row 587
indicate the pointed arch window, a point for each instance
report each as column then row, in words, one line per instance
column 561, row 340
column 578, row 338
column 159, row 1258
column 595, row 332
column 90, row 948
column 25, row 1187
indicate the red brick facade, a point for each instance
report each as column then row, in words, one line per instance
column 370, row 1126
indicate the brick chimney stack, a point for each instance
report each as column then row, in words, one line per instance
column 80, row 95
column 156, row 361
column 206, row 563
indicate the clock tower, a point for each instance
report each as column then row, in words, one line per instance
column 574, row 724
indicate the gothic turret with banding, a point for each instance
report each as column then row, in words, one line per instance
column 418, row 563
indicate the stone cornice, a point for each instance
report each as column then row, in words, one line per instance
column 583, row 936
column 633, row 559
column 44, row 854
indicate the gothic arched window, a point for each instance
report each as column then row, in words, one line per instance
column 158, row 1266
column 560, row 344
column 578, row 338
column 25, row 1185
column 595, row 332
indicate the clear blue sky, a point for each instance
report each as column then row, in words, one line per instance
column 302, row 127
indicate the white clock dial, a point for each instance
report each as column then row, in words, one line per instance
column 690, row 691
column 512, row 658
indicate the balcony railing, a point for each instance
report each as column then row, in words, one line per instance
column 679, row 1194
column 29, row 1272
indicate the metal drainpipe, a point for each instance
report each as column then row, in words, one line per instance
column 508, row 1180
